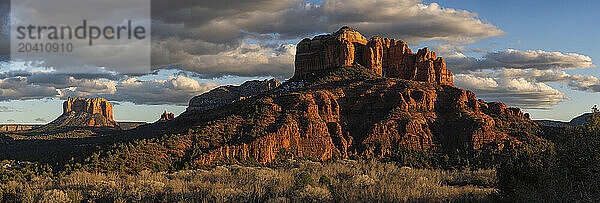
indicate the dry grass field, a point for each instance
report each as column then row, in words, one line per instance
column 299, row 181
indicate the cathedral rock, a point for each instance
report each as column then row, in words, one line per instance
column 386, row 57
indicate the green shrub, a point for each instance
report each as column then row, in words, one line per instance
column 325, row 181
column 302, row 180
column 570, row 172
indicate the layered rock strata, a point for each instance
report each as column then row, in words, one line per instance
column 84, row 112
column 386, row 57
column 339, row 106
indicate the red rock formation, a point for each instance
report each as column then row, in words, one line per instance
column 348, row 118
column 339, row 116
column 89, row 105
column 228, row 94
column 84, row 112
column 390, row 58
column 166, row 117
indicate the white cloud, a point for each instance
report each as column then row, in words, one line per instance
column 22, row 85
column 410, row 20
column 18, row 88
column 513, row 59
column 175, row 90
column 538, row 59
column 512, row 91
column 525, row 88
column 516, row 77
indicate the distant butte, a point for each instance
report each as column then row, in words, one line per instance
column 84, row 112
column 386, row 57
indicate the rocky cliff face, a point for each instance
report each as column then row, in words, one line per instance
column 228, row 94
column 89, row 105
column 350, row 98
column 386, row 57
column 340, row 116
column 84, row 112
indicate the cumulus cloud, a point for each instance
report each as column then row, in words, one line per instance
column 37, row 85
column 525, row 88
column 175, row 90
column 517, row 77
column 575, row 81
column 201, row 36
column 15, row 88
column 245, row 60
column 514, row 59
column 513, row 91
column 410, row 20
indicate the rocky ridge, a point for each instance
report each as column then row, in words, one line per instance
column 228, row 94
column 16, row 127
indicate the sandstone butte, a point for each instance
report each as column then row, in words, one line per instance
column 389, row 58
column 84, row 112
column 349, row 98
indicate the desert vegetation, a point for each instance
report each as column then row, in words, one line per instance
column 566, row 171
column 298, row 181
column 562, row 165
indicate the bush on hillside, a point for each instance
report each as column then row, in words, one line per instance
column 571, row 172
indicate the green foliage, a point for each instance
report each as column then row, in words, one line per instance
column 325, row 181
column 12, row 170
column 569, row 172
column 303, row 180
column 353, row 73
column 484, row 158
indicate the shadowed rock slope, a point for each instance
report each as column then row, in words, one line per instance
column 228, row 94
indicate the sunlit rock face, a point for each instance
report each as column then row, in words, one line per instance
column 89, row 105
column 85, row 112
column 386, row 57
column 350, row 98
column 166, row 116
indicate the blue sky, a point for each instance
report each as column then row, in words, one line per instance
column 565, row 26
column 255, row 40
